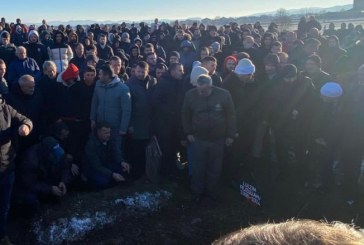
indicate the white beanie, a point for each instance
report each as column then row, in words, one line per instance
column 196, row 72
column 245, row 67
column 331, row 90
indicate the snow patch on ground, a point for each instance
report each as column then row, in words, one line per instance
column 144, row 201
column 75, row 228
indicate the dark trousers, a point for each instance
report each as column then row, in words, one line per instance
column 206, row 164
column 137, row 157
column 6, row 186
column 168, row 141
column 101, row 181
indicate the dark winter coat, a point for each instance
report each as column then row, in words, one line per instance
column 211, row 117
column 38, row 175
column 141, row 112
column 10, row 120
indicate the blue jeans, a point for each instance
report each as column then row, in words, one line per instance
column 6, row 186
column 206, row 157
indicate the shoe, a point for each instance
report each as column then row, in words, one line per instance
column 5, row 241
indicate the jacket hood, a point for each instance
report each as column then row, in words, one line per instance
column 33, row 32
column 134, row 46
column 72, row 33
column 138, row 39
column 63, row 36
column 4, row 33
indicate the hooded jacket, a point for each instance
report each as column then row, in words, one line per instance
column 36, row 50
column 111, row 103
column 134, row 59
column 19, row 68
column 60, row 53
column 187, row 57
column 47, row 42
column 38, row 174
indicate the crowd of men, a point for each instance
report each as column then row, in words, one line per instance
column 79, row 107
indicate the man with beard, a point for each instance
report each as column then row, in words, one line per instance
column 104, row 51
column 141, row 85
column 35, row 49
column 313, row 70
column 208, row 119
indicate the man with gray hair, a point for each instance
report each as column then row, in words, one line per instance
column 47, row 86
column 208, row 119
column 23, row 65
column 26, row 99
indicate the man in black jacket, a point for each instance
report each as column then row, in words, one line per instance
column 44, row 172
column 27, row 100
column 10, row 119
column 104, row 165
column 35, row 49
column 208, row 118
column 140, row 86
column 104, row 51
column 166, row 100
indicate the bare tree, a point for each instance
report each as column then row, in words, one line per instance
column 282, row 19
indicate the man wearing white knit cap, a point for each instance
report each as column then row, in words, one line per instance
column 326, row 130
column 247, row 98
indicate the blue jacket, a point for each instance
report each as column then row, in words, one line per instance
column 111, row 103
column 19, row 68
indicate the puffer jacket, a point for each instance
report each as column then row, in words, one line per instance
column 112, row 103
column 60, row 53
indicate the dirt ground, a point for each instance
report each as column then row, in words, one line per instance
column 167, row 214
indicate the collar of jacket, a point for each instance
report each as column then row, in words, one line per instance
column 113, row 83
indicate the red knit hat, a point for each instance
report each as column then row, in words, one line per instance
column 70, row 73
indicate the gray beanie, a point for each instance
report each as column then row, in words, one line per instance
column 196, row 72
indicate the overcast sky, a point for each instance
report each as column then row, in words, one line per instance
column 100, row 10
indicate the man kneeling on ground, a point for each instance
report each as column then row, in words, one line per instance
column 44, row 173
column 104, row 165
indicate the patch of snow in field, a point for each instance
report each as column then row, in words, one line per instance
column 75, row 228
column 71, row 229
column 144, row 201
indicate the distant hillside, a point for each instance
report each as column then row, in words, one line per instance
column 311, row 10
column 251, row 18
